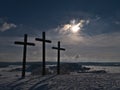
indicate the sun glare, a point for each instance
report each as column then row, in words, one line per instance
column 75, row 28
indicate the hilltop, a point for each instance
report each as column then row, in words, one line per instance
column 82, row 81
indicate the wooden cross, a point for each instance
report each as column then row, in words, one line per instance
column 25, row 43
column 43, row 40
column 58, row 62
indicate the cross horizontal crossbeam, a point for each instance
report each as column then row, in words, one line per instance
column 22, row 43
column 39, row 39
column 58, row 48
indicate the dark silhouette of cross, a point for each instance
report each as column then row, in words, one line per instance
column 24, row 43
column 58, row 62
column 43, row 40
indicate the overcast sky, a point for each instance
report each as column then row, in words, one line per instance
column 95, row 37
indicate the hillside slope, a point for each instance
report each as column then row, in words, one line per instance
column 82, row 81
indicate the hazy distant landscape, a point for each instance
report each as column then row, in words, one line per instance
column 2, row 64
column 111, row 67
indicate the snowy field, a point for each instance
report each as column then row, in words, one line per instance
column 10, row 80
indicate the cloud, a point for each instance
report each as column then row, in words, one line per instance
column 83, row 47
column 74, row 26
column 70, row 33
column 104, row 47
column 104, row 40
column 79, row 46
column 117, row 22
column 6, row 26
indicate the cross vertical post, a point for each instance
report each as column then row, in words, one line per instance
column 24, row 55
column 43, row 40
column 58, row 63
column 25, row 43
column 58, row 56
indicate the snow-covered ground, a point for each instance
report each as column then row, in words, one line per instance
column 10, row 80
column 63, row 82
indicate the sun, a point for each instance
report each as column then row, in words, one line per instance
column 75, row 28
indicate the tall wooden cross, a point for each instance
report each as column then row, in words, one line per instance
column 24, row 43
column 58, row 58
column 43, row 40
